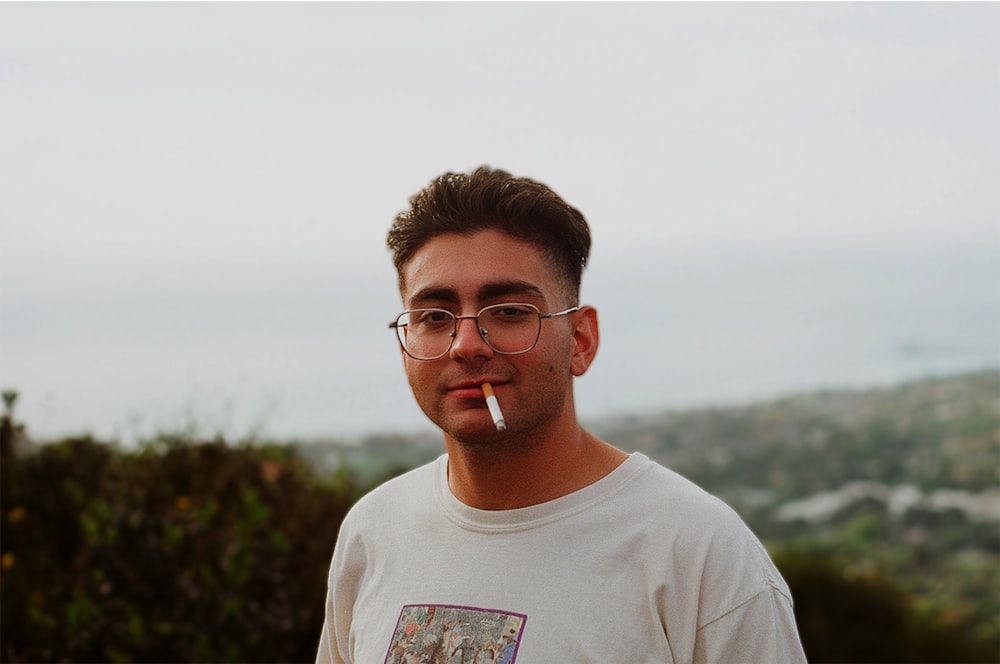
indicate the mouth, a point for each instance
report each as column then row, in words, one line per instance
column 471, row 389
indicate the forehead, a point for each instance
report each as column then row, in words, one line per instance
column 476, row 267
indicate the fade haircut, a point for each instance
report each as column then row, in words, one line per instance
column 491, row 198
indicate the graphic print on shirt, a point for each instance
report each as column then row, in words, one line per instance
column 444, row 634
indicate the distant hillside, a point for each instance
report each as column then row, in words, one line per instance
column 931, row 435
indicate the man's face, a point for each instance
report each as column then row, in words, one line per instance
column 463, row 274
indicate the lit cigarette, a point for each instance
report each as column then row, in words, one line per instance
column 494, row 406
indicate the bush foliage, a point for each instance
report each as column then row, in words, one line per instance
column 183, row 551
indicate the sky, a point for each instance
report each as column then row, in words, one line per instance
column 194, row 197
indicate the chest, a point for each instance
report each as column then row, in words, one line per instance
column 535, row 596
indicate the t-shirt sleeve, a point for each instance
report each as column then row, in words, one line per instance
column 326, row 654
column 346, row 570
column 744, row 607
column 762, row 629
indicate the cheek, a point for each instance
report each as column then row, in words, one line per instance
column 412, row 372
column 423, row 378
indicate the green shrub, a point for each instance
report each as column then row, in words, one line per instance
column 847, row 616
column 182, row 551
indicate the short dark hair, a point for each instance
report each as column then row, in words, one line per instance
column 491, row 198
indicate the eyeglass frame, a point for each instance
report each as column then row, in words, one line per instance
column 396, row 325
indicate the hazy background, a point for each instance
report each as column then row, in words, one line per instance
column 194, row 197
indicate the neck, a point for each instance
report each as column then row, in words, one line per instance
column 520, row 472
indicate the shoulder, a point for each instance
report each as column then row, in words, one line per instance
column 666, row 511
column 405, row 491
column 701, row 528
column 676, row 499
column 709, row 550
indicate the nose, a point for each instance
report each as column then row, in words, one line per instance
column 469, row 343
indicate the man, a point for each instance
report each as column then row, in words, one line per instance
column 531, row 541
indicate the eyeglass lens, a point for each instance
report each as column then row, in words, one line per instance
column 507, row 328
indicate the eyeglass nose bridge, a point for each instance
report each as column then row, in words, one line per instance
column 483, row 332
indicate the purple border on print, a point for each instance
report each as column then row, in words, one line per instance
column 402, row 611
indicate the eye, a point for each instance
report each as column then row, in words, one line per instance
column 512, row 314
column 432, row 316
column 430, row 321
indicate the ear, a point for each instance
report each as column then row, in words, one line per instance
column 586, row 338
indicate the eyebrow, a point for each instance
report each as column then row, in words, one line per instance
column 486, row 291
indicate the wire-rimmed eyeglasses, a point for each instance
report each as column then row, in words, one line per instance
column 511, row 328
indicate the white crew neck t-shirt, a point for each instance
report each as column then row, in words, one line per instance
column 640, row 566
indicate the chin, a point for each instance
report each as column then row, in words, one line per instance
column 476, row 434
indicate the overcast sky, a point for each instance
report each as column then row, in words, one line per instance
column 194, row 197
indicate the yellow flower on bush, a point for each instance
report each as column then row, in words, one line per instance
column 8, row 561
column 182, row 504
column 17, row 514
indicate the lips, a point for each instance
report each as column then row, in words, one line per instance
column 472, row 389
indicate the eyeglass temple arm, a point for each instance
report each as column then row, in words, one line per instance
column 560, row 313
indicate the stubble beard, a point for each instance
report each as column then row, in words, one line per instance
column 524, row 430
